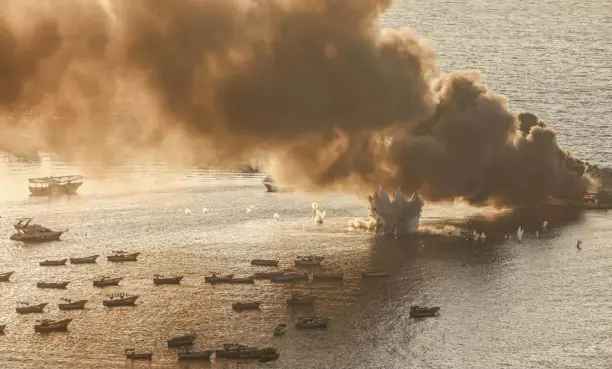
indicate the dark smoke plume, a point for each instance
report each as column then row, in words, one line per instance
column 317, row 85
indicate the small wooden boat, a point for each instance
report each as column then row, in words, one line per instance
column 308, row 260
column 264, row 262
column 187, row 354
column 160, row 279
column 242, row 280
column 5, row 277
column 327, row 275
column 26, row 308
column 52, row 186
column 2, row 328
column 374, row 274
column 240, row 306
column 280, row 329
column 85, row 260
column 28, row 232
column 120, row 256
column 268, row 354
column 289, row 277
column 71, row 305
column 131, row 353
column 312, row 322
column 423, row 312
column 236, row 351
column 214, row 278
column 182, row 340
column 57, row 285
column 120, row 299
column 267, row 275
column 52, row 326
column 53, row 262
column 106, row 281
column 301, row 299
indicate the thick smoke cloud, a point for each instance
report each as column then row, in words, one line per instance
column 318, row 85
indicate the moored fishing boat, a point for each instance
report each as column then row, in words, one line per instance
column 236, row 351
column 185, row 339
column 85, row 260
column 242, row 280
column 301, row 299
column 68, row 304
column 160, row 279
column 310, row 260
column 120, row 299
column 264, row 262
column 214, row 278
column 280, row 329
column 53, row 262
column 26, row 308
column 46, row 325
column 253, row 305
column 187, row 354
column 28, row 232
column 312, row 322
column 120, row 256
column 106, row 281
column 59, row 185
column 57, row 285
column 423, row 312
column 131, row 353
column 5, row 277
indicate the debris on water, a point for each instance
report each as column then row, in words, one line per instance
column 204, row 210
column 187, row 211
column 276, row 216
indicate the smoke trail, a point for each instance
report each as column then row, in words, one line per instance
column 317, row 84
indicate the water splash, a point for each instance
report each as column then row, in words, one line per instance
column 391, row 215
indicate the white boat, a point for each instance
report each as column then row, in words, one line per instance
column 28, row 232
column 60, row 185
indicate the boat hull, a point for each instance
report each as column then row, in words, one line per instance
column 246, row 280
column 107, row 283
column 31, row 309
column 307, row 262
column 263, row 262
column 246, row 306
column 61, row 285
column 87, row 260
column 55, row 190
column 201, row 355
column 59, row 326
column 77, row 305
column 143, row 356
column 53, row 262
column 425, row 313
column 47, row 237
column 122, row 258
column 182, row 341
column 159, row 281
column 5, row 277
column 120, row 302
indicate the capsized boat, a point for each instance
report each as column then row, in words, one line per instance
column 57, row 285
column 264, row 262
column 423, row 312
column 106, row 281
column 53, row 262
column 131, row 353
column 185, row 339
column 68, row 304
column 46, row 325
column 301, row 299
column 327, row 275
column 120, row 256
column 26, row 308
column 28, row 232
column 310, row 260
column 242, row 280
column 236, row 351
column 214, row 278
column 312, row 322
column 5, row 277
column 59, row 185
column 160, row 279
column 120, row 299
column 85, row 260
column 280, row 329
column 187, row 354
column 253, row 305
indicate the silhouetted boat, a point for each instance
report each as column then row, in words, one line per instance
column 242, row 280
column 52, row 326
column 26, row 308
column 327, row 275
column 214, row 278
column 264, row 262
column 423, row 312
column 5, row 277
column 131, row 353
column 280, row 329
column 187, row 354
column 106, row 281
column 85, row 260
column 71, row 305
column 28, row 232
column 120, row 256
column 53, row 262
column 312, row 322
column 120, row 299
column 289, row 277
column 267, row 275
column 301, row 299
column 236, row 351
column 60, row 185
column 57, row 285
column 254, row 305
column 160, row 279
column 374, row 274
column 308, row 260
column 182, row 340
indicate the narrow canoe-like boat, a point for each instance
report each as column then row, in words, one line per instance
column 159, row 279
column 195, row 355
column 301, row 299
column 57, row 285
column 308, row 260
column 131, row 353
column 182, row 340
column 53, row 262
column 52, row 326
column 27, row 308
column 280, row 329
column 268, row 354
column 120, row 300
column 267, row 275
column 374, row 274
column 242, row 280
column 5, row 277
column 423, row 312
column 264, row 262
column 121, row 256
column 2, row 328
column 253, row 305
column 327, row 275
column 105, row 282
column 85, row 260
column 71, row 305
column 219, row 278
column 312, row 322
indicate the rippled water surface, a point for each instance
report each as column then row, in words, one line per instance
column 536, row 304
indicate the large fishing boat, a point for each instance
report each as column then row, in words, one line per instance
column 28, row 232
column 61, row 185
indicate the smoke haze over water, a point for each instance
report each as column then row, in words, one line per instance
column 316, row 85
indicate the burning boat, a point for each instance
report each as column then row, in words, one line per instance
column 62, row 185
column 590, row 200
